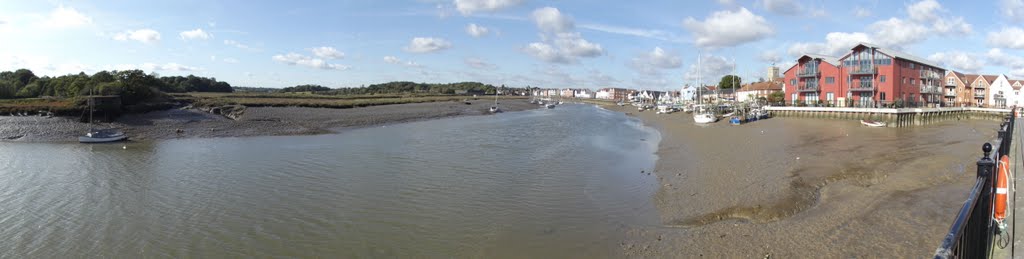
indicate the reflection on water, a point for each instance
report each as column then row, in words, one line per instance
column 544, row 183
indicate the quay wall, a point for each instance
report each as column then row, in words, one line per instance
column 906, row 117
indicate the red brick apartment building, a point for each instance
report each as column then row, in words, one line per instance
column 867, row 76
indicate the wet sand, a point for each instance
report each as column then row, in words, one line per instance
column 806, row 188
column 256, row 121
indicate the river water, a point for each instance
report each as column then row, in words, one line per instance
column 544, row 183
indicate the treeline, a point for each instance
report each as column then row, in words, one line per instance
column 401, row 87
column 132, row 85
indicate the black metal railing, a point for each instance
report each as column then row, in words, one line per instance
column 973, row 229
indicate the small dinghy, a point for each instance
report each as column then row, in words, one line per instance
column 871, row 123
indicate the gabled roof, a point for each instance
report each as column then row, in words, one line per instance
column 768, row 85
column 959, row 76
column 969, row 79
column 830, row 59
column 990, row 78
column 897, row 54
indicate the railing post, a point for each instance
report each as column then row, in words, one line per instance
column 982, row 218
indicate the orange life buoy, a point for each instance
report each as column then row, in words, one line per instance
column 1001, row 188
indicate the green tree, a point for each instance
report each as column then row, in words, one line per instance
column 777, row 97
column 730, row 82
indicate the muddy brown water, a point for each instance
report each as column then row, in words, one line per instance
column 561, row 183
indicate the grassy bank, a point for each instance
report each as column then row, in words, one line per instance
column 313, row 100
column 34, row 105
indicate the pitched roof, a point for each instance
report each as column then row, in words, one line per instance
column 830, row 59
column 768, row 85
column 899, row 54
column 969, row 79
column 990, row 78
column 957, row 74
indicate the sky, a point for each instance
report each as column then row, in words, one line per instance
column 651, row 44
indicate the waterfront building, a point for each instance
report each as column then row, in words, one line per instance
column 955, row 90
column 583, row 93
column 612, row 94
column 979, row 88
column 1000, row 93
column 688, row 93
column 759, row 90
column 812, row 76
column 867, row 76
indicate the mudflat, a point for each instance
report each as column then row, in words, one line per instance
column 806, row 188
column 256, row 121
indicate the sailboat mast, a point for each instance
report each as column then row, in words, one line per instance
column 700, row 92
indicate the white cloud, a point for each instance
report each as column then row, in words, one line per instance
column 303, row 60
column 167, row 67
column 546, row 52
column 142, row 35
column 896, row 32
column 197, row 34
column 1008, row 37
column 427, row 45
column 1013, row 9
column 926, row 19
column 769, row 56
column 644, row 33
column 397, row 61
column 479, row 64
column 836, row 43
column 1000, row 58
column 651, row 63
column 861, row 12
column 476, row 30
column 327, row 53
column 785, row 7
column 467, row 7
column 728, row 28
column 560, row 43
column 960, row 61
column 550, row 20
column 924, row 11
column 238, row 45
column 712, row 68
column 66, row 18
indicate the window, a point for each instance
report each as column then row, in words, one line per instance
column 792, row 82
column 912, row 81
column 793, row 97
column 881, row 78
column 904, row 80
column 830, row 80
column 911, row 65
column 830, row 96
column 881, row 96
column 865, row 79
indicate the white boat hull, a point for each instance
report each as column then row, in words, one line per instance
column 101, row 140
column 704, row 118
column 872, row 123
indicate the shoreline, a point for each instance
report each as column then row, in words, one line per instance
column 256, row 121
column 794, row 197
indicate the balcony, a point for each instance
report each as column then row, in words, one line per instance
column 928, row 74
column 950, row 93
column 979, row 95
column 979, row 86
column 864, row 86
column 808, row 88
column 930, row 90
column 864, row 70
column 948, row 84
column 808, row 73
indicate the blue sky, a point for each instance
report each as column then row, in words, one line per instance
column 568, row 43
